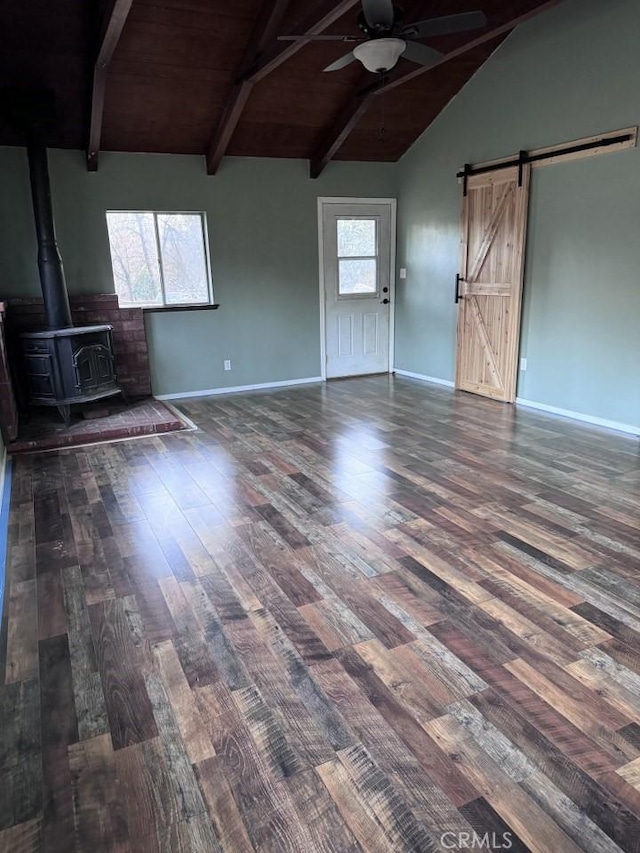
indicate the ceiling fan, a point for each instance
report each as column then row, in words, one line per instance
column 386, row 37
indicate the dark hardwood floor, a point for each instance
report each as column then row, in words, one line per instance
column 373, row 616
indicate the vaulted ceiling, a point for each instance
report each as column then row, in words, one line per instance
column 210, row 77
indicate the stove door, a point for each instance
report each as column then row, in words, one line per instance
column 40, row 369
column 93, row 366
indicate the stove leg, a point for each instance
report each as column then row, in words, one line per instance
column 65, row 414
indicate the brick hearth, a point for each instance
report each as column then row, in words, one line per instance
column 45, row 430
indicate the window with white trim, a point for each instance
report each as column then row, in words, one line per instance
column 357, row 251
column 160, row 259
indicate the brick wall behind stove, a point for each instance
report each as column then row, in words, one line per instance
column 129, row 336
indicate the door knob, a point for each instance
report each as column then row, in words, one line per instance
column 385, row 302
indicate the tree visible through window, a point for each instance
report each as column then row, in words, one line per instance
column 159, row 259
column 357, row 245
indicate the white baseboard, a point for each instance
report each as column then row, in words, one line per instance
column 543, row 407
column 579, row 416
column 434, row 380
column 235, row 388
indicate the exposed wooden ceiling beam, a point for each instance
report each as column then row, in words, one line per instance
column 231, row 113
column 264, row 32
column 351, row 113
column 324, row 15
column 400, row 80
column 113, row 24
column 264, row 54
column 360, row 102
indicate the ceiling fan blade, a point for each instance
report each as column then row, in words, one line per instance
column 321, row 38
column 422, row 54
column 378, row 14
column 446, row 25
column 345, row 60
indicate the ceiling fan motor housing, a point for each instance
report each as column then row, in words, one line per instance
column 379, row 31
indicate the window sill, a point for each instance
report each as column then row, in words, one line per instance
column 163, row 309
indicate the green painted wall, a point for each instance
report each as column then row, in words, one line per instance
column 572, row 72
column 263, row 233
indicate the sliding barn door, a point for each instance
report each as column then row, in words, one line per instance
column 494, row 224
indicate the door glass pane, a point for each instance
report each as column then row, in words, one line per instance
column 357, row 276
column 134, row 254
column 356, row 238
column 184, row 263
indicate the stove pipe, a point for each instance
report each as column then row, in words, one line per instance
column 52, row 280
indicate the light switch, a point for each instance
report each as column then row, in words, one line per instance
column 403, row 272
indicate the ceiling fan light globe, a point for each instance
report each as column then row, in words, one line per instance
column 380, row 55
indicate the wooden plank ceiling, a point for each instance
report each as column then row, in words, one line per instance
column 183, row 77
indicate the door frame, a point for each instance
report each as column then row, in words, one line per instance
column 392, row 203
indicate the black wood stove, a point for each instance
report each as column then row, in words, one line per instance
column 65, row 364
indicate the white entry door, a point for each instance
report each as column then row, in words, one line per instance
column 356, row 256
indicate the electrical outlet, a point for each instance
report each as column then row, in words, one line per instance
column 523, row 364
column 227, row 364
column 403, row 272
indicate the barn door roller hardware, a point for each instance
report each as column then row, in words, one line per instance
column 458, row 280
column 523, row 157
column 467, row 170
column 624, row 139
